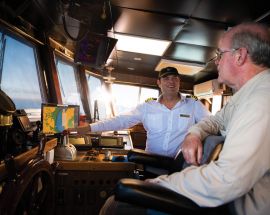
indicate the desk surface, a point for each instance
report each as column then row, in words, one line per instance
column 95, row 162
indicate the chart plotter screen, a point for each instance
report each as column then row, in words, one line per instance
column 56, row 118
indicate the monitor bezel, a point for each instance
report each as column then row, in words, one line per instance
column 60, row 105
column 100, row 49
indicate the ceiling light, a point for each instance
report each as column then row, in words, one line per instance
column 182, row 67
column 137, row 58
column 140, row 44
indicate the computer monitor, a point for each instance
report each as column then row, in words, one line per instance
column 94, row 50
column 56, row 118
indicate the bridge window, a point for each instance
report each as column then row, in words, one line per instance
column 99, row 98
column 127, row 97
column 19, row 72
column 68, row 84
column 147, row 93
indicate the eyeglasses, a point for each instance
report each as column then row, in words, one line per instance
column 219, row 53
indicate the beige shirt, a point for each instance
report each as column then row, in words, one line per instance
column 242, row 172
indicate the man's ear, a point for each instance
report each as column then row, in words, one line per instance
column 158, row 82
column 241, row 56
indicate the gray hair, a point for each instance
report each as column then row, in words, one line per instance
column 257, row 45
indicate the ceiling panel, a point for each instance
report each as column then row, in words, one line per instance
column 231, row 12
column 183, row 68
column 130, row 56
column 146, row 24
column 134, row 63
column 225, row 11
column 182, row 8
column 189, row 53
column 134, row 68
column 202, row 33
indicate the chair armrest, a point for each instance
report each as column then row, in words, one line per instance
column 154, row 196
column 143, row 157
column 212, row 147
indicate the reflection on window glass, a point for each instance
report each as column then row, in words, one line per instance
column 147, row 93
column 68, row 85
column 125, row 97
column 95, row 88
column 98, row 94
column 20, row 74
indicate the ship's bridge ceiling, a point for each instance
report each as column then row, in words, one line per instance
column 187, row 30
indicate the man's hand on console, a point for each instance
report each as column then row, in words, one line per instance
column 192, row 149
column 81, row 130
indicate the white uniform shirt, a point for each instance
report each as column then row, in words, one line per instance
column 165, row 128
column 242, row 172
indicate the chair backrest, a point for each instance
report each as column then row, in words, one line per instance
column 212, row 146
column 215, row 153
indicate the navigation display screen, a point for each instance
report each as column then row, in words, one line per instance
column 56, row 118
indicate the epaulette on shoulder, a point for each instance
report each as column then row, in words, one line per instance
column 193, row 97
column 150, row 99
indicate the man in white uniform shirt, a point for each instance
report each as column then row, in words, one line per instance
column 166, row 120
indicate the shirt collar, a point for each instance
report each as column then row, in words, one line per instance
column 248, row 85
column 183, row 98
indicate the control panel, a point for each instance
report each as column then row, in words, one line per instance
column 83, row 187
column 112, row 139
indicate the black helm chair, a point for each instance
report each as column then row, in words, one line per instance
column 159, row 198
column 152, row 165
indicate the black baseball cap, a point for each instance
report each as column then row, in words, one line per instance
column 168, row 71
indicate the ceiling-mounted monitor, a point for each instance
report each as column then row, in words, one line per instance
column 94, row 50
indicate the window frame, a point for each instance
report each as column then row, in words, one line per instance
column 107, row 88
column 58, row 57
column 37, row 59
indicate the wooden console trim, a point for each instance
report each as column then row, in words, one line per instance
column 22, row 159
